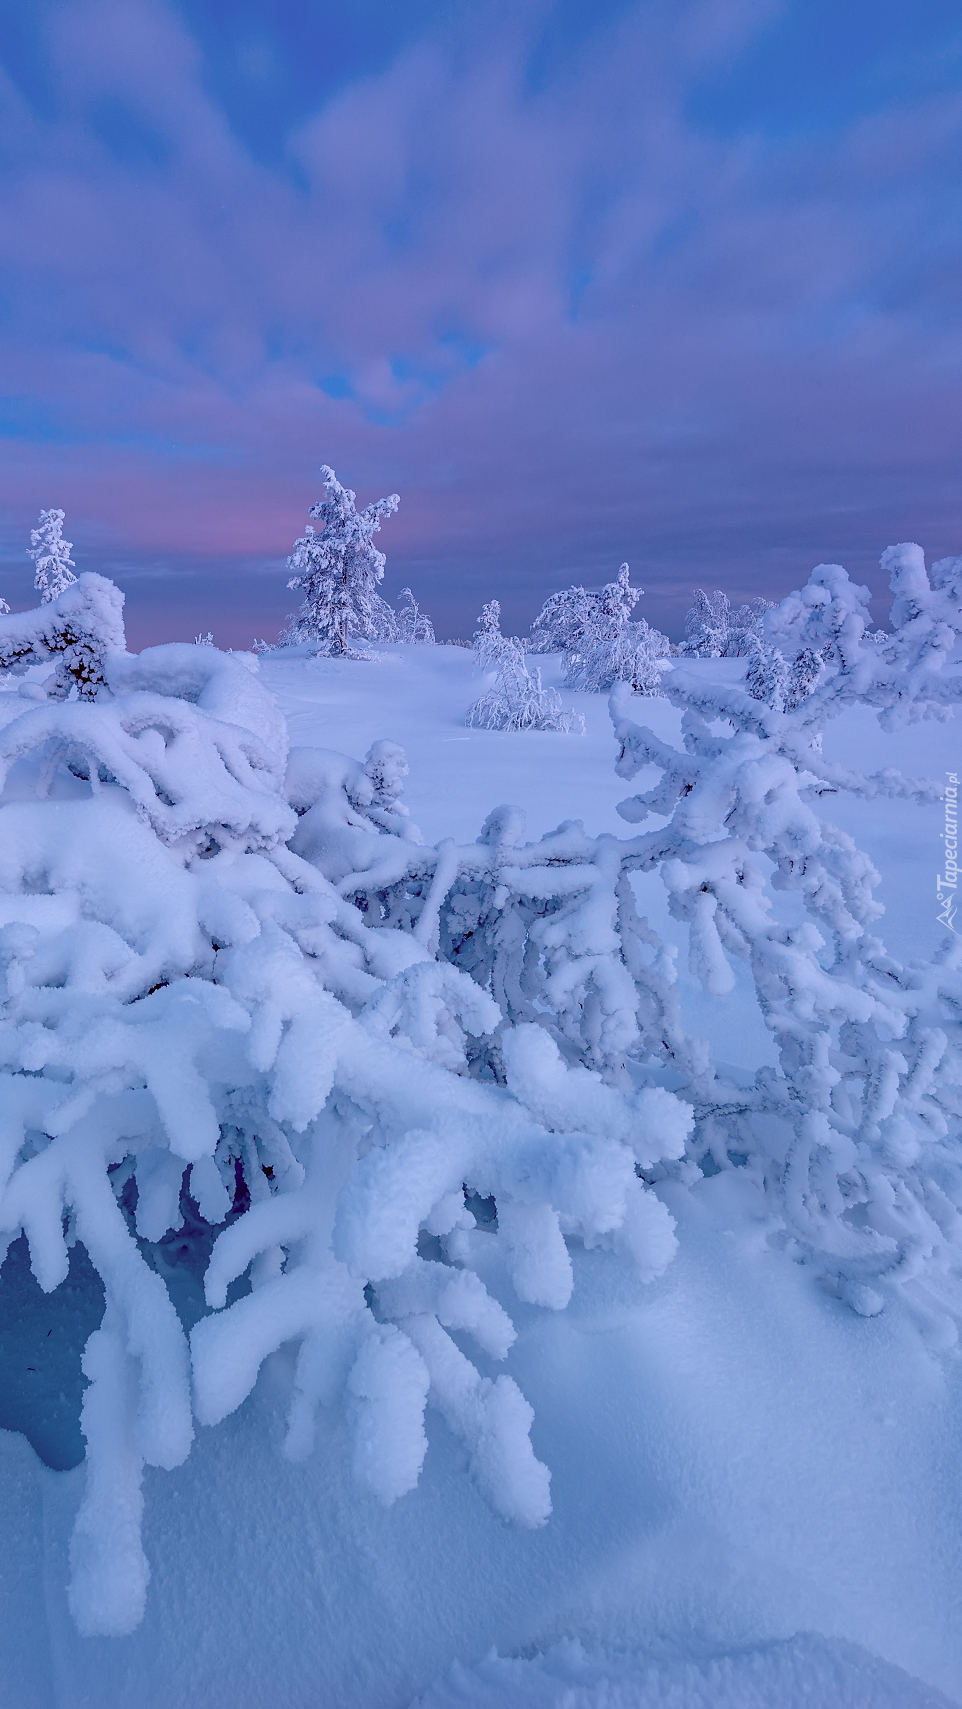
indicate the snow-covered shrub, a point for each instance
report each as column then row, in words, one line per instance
column 413, row 624
column 714, row 631
column 562, row 620
column 856, row 1131
column 604, row 646
column 398, row 1080
column 77, row 630
column 190, row 1004
column 339, row 569
column 518, row 699
column 488, row 640
column 578, row 617
column 53, row 565
column 706, row 625
column 636, row 654
column 781, row 683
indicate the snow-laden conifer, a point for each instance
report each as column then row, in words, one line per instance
column 338, row 569
column 77, row 631
column 50, row 552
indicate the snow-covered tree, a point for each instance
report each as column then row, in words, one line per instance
column 339, row 568
column 413, row 624
column 561, row 621
column 636, row 654
column 577, row 617
column 518, row 700
column 50, row 552
column 745, row 627
column 606, row 646
column 488, row 640
column 714, row 631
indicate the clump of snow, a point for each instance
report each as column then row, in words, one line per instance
column 77, row 630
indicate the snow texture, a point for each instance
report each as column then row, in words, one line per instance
column 798, row 1673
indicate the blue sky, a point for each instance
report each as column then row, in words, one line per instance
column 677, row 283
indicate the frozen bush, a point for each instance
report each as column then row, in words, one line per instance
column 714, row 631
column 190, row 1002
column 413, row 624
column 77, row 631
column 401, row 1079
column 519, row 699
column 636, row 655
column 577, row 617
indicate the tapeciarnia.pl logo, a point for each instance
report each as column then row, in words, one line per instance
column 946, row 884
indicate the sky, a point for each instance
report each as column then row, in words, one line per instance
column 585, row 281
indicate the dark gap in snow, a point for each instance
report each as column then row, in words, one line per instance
column 42, row 1338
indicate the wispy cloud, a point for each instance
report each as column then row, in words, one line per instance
column 514, row 272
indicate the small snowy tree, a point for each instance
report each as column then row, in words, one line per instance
column 714, row 631
column 609, row 648
column 706, row 625
column 51, row 556
column 488, row 639
column 77, row 632
column 745, row 626
column 637, row 655
column 413, row 624
column 519, row 700
column 338, row 568
column 578, row 617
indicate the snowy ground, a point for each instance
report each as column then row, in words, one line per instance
column 757, row 1494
